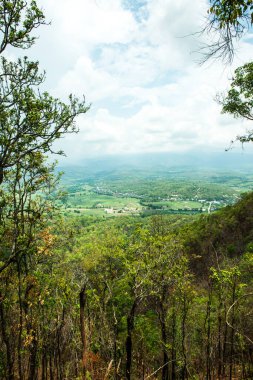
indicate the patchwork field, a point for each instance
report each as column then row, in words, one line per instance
column 119, row 192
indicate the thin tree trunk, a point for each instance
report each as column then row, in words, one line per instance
column 130, row 327
column 51, row 372
column 219, row 339
column 208, row 344
column 20, row 370
column 224, row 353
column 173, row 348
column 82, row 302
column 9, row 360
column 1, row 174
column 31, row 332
column 59, row 348
column 185, row 310
column 44, row 365
column 232, row 335
column 33, row 357
column 165, row 367
column 115, row 350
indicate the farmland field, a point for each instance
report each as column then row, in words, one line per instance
column 122, row 191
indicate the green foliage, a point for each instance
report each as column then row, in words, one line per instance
column 30, row 121
column 239, row 99
column 229, row 20
column 17, row 21
column 231, row 13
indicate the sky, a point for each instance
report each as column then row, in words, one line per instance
column 137, row 64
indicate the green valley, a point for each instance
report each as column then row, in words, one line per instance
column 120, row 192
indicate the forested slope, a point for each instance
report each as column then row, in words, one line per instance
column 160, row 298
column 226, row 234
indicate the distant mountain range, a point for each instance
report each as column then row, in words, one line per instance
column 161, row 163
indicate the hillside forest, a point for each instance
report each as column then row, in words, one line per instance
column 145, row 295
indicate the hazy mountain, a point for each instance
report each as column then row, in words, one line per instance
column 160, row 163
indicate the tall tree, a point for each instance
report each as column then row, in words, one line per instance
column 30, row 121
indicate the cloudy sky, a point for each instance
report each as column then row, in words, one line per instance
column 136, row 62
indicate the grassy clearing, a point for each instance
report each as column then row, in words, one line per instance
column 175, row 205
column 102, row 201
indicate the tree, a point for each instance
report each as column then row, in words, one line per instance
column 18, row 19
column 30, row 121
column 228, row 20
column 239, row 99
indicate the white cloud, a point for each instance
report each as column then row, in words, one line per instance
column 147, row 92
column 86, row 78
column 90, row 22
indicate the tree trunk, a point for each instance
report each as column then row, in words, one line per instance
column 165, row 367
column 115, row 335
column 20, row 369
column 208, row 344
column 82, row 301
column 173, row 348
column 33, row 358
column 44, row 365
column 130, row 327
column 51, row 372
column 224, row 353
column 183, row 326
column 219, row 338
column 1, row 174
column 232, row 335
column 9, row 360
